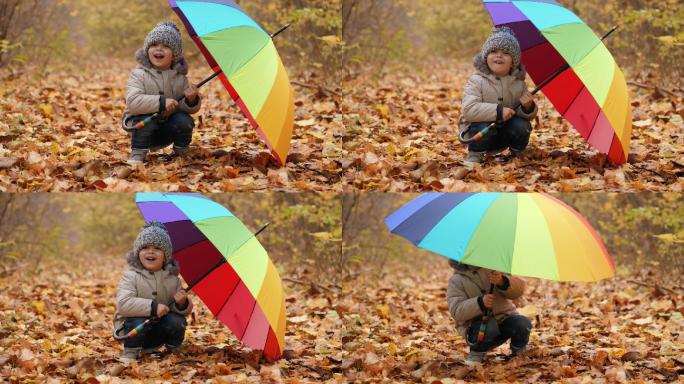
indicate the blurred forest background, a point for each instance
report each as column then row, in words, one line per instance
column 45, row 32
column 38, row 229
column 651, row 34
column 639, row 229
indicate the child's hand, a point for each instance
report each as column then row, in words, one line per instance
column 162, row 310
column 495, row 277
column 526, row 100
column 488, row 300
column 508, row 113
column 171, row 106
column 181, row 297
column 191, row 93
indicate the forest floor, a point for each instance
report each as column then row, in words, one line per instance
column 393, row 325
column 402, row 136
column 62, row 132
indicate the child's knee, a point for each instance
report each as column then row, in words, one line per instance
column 520, row 127
column 175, row 322
column 522, row 325
column 182, row 121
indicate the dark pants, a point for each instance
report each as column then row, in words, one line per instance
column 514, row 134
column 170, row 330
column 516, row 327
column 176, row 130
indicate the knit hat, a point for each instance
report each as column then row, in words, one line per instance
column 501, row 38
column 154, row 233
column 166, row 33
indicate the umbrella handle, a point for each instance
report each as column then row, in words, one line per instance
column 133, row 332
column 485, row 318
column 476, row 137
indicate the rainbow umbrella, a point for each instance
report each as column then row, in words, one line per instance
column 526, row 234
column 251, row 69
column 224, row 265
column 591, row 93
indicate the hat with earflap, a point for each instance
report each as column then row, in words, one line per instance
column 501, row 38
column 165, row 33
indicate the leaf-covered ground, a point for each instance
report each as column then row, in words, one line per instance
column 56, row 327
column 402, row 136
column 386, row 324
column 397, row 328
column 61, row 132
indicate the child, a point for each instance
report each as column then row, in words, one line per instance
column 491, row 93
column 150, row 287
column 154, row 87
column 468, row 297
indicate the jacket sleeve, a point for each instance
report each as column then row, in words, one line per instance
column 137, row 101
column 474, row 109
column 184, row 106
column 127, row 303
column 521, row 112
column 174, row 307
column 461, row 307
column 515, row 289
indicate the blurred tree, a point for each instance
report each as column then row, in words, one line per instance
column 305, row 227
column 31, row 29
column 375, row 31
column 36, row 30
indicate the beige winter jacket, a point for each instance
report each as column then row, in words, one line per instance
column 138, row 287
column 469, row 283
column 484, row 91
column 148, row 89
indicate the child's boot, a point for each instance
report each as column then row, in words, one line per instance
column 180, row 151
column 523, row 351
column 137, row 156
column 173, row 349
column 473, row 158
column 475, row 357
column 130, row 354
column 518, row 153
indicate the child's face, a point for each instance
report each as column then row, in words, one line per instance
column 160, row 56
column 499, row 62
column 151, row 258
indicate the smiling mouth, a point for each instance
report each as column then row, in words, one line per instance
column 151, row 259
column 159, row 57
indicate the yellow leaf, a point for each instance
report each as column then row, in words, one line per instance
column 384, row 310
column 331, row 39
column 528, row 310
column 669, row 238
column 298, row 319
column 325, row 236
column 392, row 349
column 644, row 321
column 306, row 123
column 46, row 109
column 38, row 306
column 383, row 110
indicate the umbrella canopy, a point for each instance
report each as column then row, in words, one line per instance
column 592, row 93
column 526, row 234
column 225, row 266
column 253, row 73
